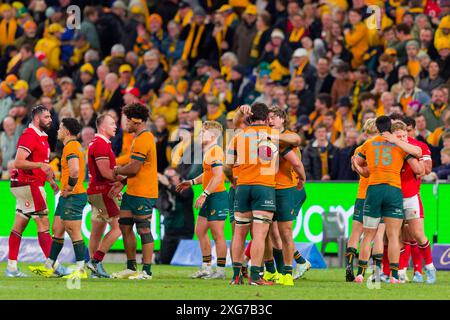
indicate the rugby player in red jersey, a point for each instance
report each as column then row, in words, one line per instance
column 27, row 185
column 102, row 194
column 413, row 233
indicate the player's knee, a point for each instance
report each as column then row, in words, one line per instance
column 242, row 221
column 259, row 218
column 146, row 238
column 126, row 222
column 142, row 223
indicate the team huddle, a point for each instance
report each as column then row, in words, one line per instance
column 261, row 160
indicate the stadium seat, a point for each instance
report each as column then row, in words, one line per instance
column 334, row 231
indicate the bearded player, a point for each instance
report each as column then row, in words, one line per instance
column 27, row 185
column 141, row 193
column 73, row 199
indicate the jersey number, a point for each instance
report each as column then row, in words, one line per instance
column 385, row 154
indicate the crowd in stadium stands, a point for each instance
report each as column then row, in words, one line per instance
column 330, row 64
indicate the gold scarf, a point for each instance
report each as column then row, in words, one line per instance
column 8, row 32
column 190, row 47
column 296, row 35
column 299, row 70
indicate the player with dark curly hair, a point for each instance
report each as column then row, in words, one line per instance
column 141, row 194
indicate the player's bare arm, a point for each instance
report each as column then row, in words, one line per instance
column 416, row 166
column 188, row 183
column 74, row 170
column 290, row 138
column 129, row 170
column 362, row 171
column 105, row 169
column 243, row 111
column 217, row 173
column 298, row 167
column 21, row 163
column 415, row 151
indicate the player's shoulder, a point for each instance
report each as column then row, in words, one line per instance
column 146, row 135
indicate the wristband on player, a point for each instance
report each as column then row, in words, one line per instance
column 72, row 181
column 192, row 181
column 205, row 193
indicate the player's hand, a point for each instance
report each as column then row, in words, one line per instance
column 326, row 177
column 246, row 110
column 54, row 186
column 300, row 184
column 66, row 192
column 390, row 137
column 183, row 186
column 200, row 201
column 115, row 190
column 47, row 169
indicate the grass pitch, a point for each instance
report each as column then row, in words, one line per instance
column 173, row 283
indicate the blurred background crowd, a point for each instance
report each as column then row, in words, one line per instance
column 330, row 64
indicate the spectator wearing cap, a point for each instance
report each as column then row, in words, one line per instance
column 81, row 46
column 433, row 80
column 8, row 144
column 443, row 48
column 262, row 37
column 442, row 34
column 197, row 37
column 434, row 111
column 114, row 100
column 278, row 54
column 172, row 45
column 201, row 71
column 150, row 75
column 244, row 35
column 10, row 30
column 68, row 100
column 324, row 80
column 126, row 78
column 110, row 27
column 410, row 92
column 300, row 66
column 342, row 84
column 231, row 19
column 29, row 66
column 318, row 157
column 185, row 14
column 88, row 26
column 156, row 34
column 412, row 60
column 85, row 77
column 20, row 112
column 51, row 47
column 21, row 93
column 223, row 32
column 6, row 98
column 298, row 86
column 131, row 95
column 29, row 36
